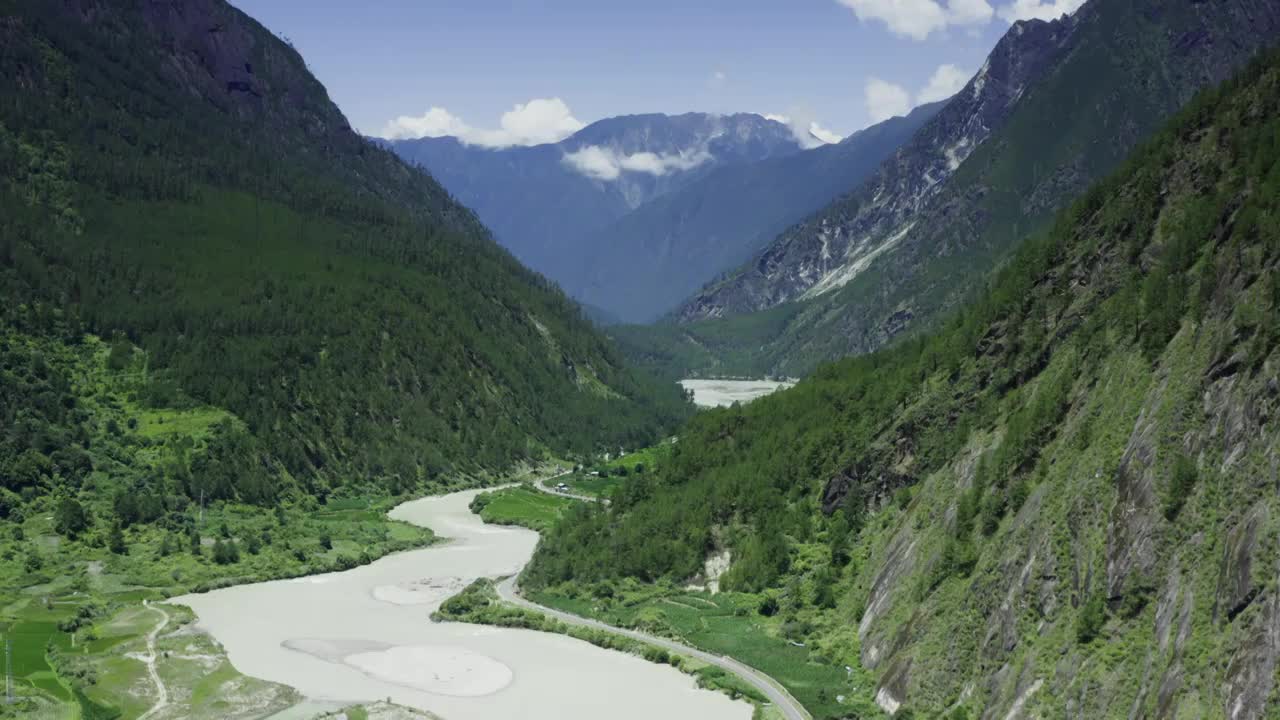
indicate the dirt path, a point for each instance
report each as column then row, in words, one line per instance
column 162, row 692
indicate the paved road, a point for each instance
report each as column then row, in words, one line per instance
column 162, row 693
column 790, row 707
column 542, row 485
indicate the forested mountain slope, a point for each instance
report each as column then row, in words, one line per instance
column 1062, row 503
column 649, row 260
column 172, row 177
column 1057, row 105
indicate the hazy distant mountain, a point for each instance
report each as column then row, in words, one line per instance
column 542, row 202
column 642, row 265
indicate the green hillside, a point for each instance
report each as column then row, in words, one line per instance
column 1061, row 503
column 232, row 335
column 176, row 177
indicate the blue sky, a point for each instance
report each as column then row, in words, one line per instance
column 840, row 63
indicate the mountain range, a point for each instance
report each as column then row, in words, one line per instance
column 1057, row 105
column 540, row 200
column 632, row 214
column 646, row 262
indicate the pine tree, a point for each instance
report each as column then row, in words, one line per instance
column 115, row 541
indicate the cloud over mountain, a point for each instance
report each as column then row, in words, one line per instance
column 1039, row 9
column 539, row 121
column 885, row 99
column 603, row 163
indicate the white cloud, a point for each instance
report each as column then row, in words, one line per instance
column 436, row 122
column 1039, row 9
column 827, row 136
column 542, row 120
column 885, row 100
column 607, row 164
column 807, row 131
column 918, row 19
column 947, row 80
column 594, row 161
column 970, row 12
column 718, row 79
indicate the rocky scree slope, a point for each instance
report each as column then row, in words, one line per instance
column 171, row 172
column 1063, row 503
column 1057, row 105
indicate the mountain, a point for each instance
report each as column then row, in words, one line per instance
column 1057, row 105
column 541, row 201
column 175, row 182
column 643, row 264
column 1059, row 503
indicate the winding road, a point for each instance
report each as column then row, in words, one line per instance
column 162, row 692
column 542, row 485
column 790, row 708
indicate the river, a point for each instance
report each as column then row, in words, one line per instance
column 722, row 393
column 365, row 635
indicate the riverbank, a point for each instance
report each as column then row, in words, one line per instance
column 364, row 634
column 745, row 629
column 73, row 609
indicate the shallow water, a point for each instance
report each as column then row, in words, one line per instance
column 365, row 635
column 722, row 393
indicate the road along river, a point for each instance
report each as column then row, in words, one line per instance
column 365, row 635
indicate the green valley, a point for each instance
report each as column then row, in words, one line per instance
column 278, row 412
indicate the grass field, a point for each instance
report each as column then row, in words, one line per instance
column 73, row 609
column 594, row 486
column 521, row 506
column 612, row 474
column 725, row 624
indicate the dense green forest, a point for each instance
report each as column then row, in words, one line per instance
column 232, row 335
column 1014, row 511
column 176, row 179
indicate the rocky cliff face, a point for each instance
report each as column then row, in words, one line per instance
column 1064, row 103
column 830, row 249
column 1153, row 500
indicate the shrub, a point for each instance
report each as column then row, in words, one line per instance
column 768, row 606
column 1091, row 619
column 1180, row 486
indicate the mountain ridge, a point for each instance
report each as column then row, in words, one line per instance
column 222, row 215
column 539, row 200
column 1127, row 64
column 647, row 261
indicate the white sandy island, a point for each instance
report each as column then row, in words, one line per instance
column 723, row 393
